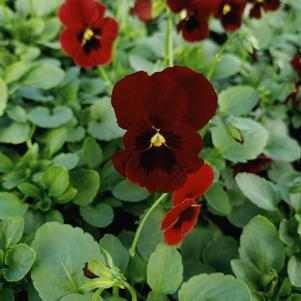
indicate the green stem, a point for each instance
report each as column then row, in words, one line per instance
column 168, row 61
column 130, row 289
column 142, row 223
column 106, row 78
column 218, row 57
column 115, row 291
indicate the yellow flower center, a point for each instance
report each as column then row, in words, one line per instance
column 259, row 1
column 88, row 35
column 226, row 9
column 157, row 140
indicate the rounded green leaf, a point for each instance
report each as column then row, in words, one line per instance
column 255, row 138
column 14, row 133
column 238, row 100
column 92, row 152
column 294, row 270
column 258, row 190
column 56, row 180
column 87, row 182
column 12, row 231
column 15, row 71
column 11, row 205
column 260, row 245
column 19, row 260
column 61, row 253
column 42, row 117
column 165, row 270
column 214, row 287
column 44, row 76
column 129, row 192
column 99, row 216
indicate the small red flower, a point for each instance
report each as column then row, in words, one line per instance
column 266, row 5
column 228, row 11
column 88, row 36
column 143, row 10
column 182, row 218
column 296, row 63
column 195, row 26
column 162, row 114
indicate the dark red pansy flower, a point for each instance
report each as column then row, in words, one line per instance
column 195, row 26
column 143, row 10
column 296, row 63
column 229, row 12
column 259, row 5
column 162, row 114
column 253, row 166
column 183, row 216
column 88, row 36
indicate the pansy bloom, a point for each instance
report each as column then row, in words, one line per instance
column 183, row 216
column 194, row 27
column 229, row 12
column 260, row 5
column 162, row 114
column 88, row 36
column 253, row 166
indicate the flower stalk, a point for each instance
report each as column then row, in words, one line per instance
column 168, row 41
column 106, row 78
column 143, row 221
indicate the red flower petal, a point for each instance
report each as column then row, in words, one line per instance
column 156, row 98
column 143, row 9
column 271, row 5
column 179, row 221
column 178, row 5
column 202, row 99
column 255, row 12
column 196, row 184
column 83, row 12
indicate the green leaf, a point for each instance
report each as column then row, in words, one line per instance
column 129, row 192
column 255, row 138
column 62, row 252
column 3, row 96
column 6, row 164
column 247, row 273
column 79, row 297
column 260, row 245
column 283, row 149
column 165, row 270
column 117, row 250
column 11, row 205
column 69, row 160
column 218, row 200
column 14, row 133
column 104, row 125
column 56, row 180
column 258, row 190
column 214, row 287
column 151, row 234
column 99, row 216
column 293, row 270
column 229, row 65
column 15, row 71
column 219, row 252
column 17, row 113
column 19, row 260
column 44, row 76
column 12, row 231
column 42, row 117
column 55, row 141
column 7, row 294
column 44, row 7
column 92, row 153
column 87, row 182
column 238, row 100
column 30, row 190
column 67, row 196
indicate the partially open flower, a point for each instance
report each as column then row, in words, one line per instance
column 162, row 114
column 143, row 10
column 260, row 5
column 88, row 36
column 183, row 216
column 229, row 12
